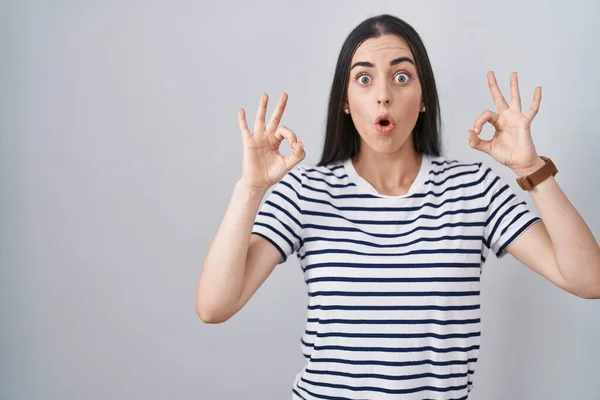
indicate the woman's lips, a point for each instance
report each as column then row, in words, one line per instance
column 384, row 123
column 384, row 116
column 385, row 128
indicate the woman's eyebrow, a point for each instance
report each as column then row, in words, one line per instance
column 393, row 62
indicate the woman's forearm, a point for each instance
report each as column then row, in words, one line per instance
column 575, row 248
column 222, row 276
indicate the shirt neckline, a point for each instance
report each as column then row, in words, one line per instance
column 364, row 185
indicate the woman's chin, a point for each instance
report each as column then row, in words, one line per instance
column 386, row 143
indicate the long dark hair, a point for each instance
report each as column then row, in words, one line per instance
column 341, row 137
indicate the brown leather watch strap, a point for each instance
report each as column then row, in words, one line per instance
column 528, row 182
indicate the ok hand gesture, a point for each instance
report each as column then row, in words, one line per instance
column 263, row 164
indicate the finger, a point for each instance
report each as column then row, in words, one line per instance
column 259, row 123
column 277, row 114
column 497, row 96
column 535, row 105
column 297, row 155
column 515, row 96
column 486, row 116
column 284, row 132
column 243, row 124
column 479, row 144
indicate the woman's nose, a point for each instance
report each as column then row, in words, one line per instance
column 384, row 96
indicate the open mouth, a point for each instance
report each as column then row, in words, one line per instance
column 384, row 123
column 384, row 119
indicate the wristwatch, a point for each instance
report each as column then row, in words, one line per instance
column 527, row 182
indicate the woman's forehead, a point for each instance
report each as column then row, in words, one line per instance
column 383, row 46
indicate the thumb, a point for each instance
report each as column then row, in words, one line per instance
column 479, row 144
column 296, row 156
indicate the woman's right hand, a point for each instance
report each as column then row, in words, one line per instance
column 263, row 164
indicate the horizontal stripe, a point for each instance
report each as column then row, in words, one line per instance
column 444, row 162
column 452, row 166
column 392, row 280
column 394, row 364
column 333, row 185
column 370, row 196
column 383, row 390
column 392, row 245
column 330, row 168
column 448, row 189
column 406, row 253
column 390, row 265
column 326, row 397
column 284, row 207
column 394, row 294
column 392, row 235
column 389, row 377
column 394, row 349
column 395, row 321
column 394, row 335
column 393, row 222
column 287, row 228
column 463, row 174
column 393, row 308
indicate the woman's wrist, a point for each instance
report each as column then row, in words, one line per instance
column 251, row 192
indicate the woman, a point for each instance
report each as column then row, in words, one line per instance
column 391, row 236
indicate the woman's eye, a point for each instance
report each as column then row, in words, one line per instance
column 362, row 78
column 405, row 77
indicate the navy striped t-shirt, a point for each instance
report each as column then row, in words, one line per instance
column 393, row 281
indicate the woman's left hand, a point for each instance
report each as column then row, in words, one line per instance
column 511, row 144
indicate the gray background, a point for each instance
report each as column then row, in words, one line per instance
column 120, row 148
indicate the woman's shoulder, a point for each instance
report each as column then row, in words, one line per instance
column 313, row 176
column 451, row 172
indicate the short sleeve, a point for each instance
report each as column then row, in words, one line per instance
column 279, row 219
column 507, row 216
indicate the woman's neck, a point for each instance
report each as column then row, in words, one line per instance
column 389, row 173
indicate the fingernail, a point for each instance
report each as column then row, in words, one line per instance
column 475, row 129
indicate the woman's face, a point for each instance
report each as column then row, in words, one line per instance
column 377, row 87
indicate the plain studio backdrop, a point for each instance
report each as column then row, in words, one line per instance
column 120, row 148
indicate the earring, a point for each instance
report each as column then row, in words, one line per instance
column 347, row 111
column 423, row 109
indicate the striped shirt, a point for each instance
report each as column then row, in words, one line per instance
column 393, row 282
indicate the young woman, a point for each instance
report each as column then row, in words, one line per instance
column 391, row 236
